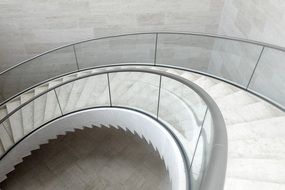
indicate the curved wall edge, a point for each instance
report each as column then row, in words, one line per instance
column 134, row 121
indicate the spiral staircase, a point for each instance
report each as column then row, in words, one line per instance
column 200, row 124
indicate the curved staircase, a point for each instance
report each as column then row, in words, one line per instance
column 256, row 135
column 255, row 127
column 111, row 159
column 247, row 119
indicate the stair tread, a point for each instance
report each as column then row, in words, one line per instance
column 5, row 138
column 221, row 90
column 39, row 106
column 54, row 83
column 205, row 82
column 256, row 111
column 257, row 129
column 278, row 120
column 257, row 148
column 239, row 98
column 69, row 77
column 235, row 183
column 3, row 113
column 257, row 169
column 95, row 92
column 76, row 90
column 27, row 112
column 2, row 149
column 15, row 120
column 52, row 109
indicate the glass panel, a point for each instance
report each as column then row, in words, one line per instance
column 183, row 109
column 37, row 70
column 23, row 121
column 202, row 154
column 269, row 76
column 84, row 93
column 5, row 139
column 227, row 59
column 124, row 49
column 135, row 89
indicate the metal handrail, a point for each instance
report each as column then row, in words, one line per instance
column 275, row 102
column 214, row 177
column 140, row 33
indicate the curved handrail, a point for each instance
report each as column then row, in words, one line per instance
column 117, row 109
column 244, row 81
column 162, row 32
column 215, row 173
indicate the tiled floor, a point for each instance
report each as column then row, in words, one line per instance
column 98, row 158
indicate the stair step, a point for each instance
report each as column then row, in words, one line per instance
column 16, row 122
column 173, row 71
column 2, row 178
column 5, row 137
column 69, row 77
column 190, row 76
column 54, row 82
column 39, row 105
column 267, row 128
column 51, row 110
column 3, row 113
column 27, row 112
column 63, row 92
column 266, row 170
column 233, row 183
column 101, row 69
column 86, row 91
column 120, row 83
column 256, row 111
column 2, row 150
column 84, row 73
column 237, row 99
column 221, row 90
column 75, row 92
column 205, row 82
column 95, row 92
column 257, row 148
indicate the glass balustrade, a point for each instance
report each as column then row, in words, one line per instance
column 250, row 65
column 135, row 90
column 118, row 50
column 166, row 99
column 37, row 70
column 181, row 107
column 84, row 93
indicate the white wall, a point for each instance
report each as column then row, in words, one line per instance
column 261, row 20
column 30, row 27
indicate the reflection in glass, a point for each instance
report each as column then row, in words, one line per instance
column 136, row 90
column 269, row 76
column 37, row 70
column 116, row 50
column 202, row 154
column 227, row 59
column 23, row 121
column 183, row 109
column 84, row 93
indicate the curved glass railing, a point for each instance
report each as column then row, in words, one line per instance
column 188, row 112
column 254, row 66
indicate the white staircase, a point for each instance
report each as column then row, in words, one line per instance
column 256, row 135
column 256, row 129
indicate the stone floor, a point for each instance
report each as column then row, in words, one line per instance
column 98, row 158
